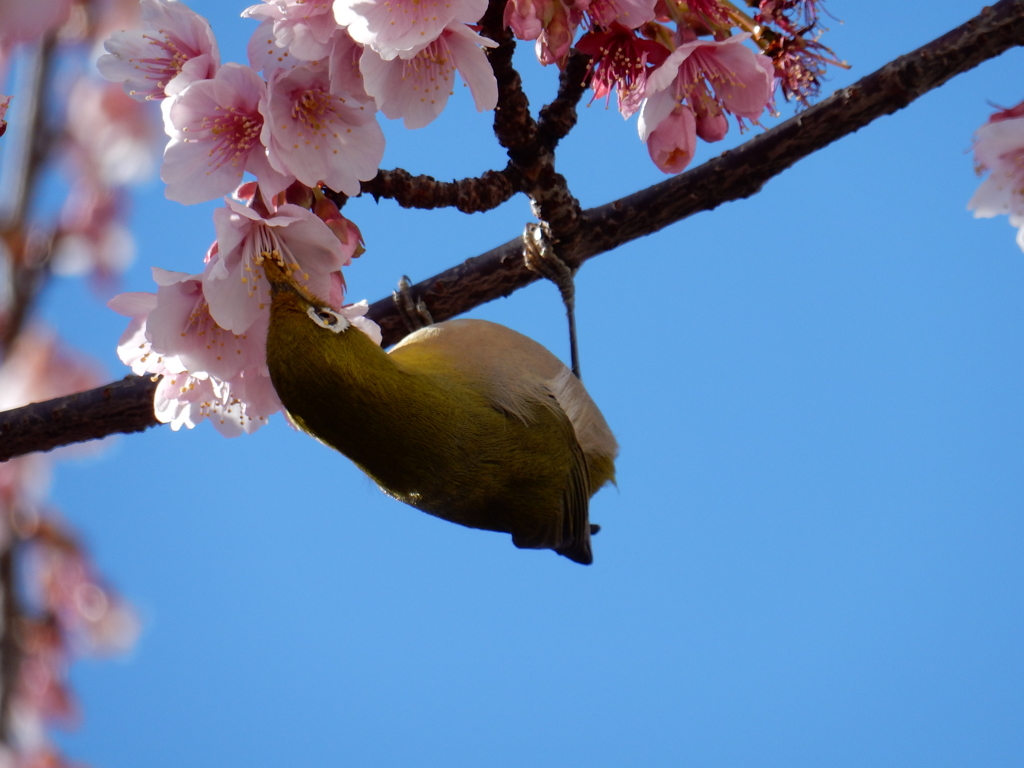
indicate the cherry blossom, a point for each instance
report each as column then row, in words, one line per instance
column 999, row 149
column 318, row 135
column 619, row 61
column 299, row 28
column 114, row 137
column 175, row 49
column 673, row 142
column 239, row 405
column 394, row 27
column 215, row 128
column 38, row 367
column 416, row 88
column 296, row 238
column 180, row 325
column 711, row 76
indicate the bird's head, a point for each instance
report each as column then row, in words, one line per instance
column 289, row 298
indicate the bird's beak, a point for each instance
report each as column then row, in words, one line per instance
column 280, row 281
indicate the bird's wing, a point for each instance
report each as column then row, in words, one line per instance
column 576, row 506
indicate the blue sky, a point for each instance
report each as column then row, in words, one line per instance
column 815, row 554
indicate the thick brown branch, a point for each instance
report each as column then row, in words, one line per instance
column 126, row 406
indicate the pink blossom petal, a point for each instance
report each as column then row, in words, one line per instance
column 655, row 109
column 393, row 27
column 264, row 54
column 346, row 79
column 742, row 80
column 416, row 89
column 355, row 313
column 181, row 325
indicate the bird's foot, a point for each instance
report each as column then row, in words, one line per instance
column 413, row 311
column 540, row 257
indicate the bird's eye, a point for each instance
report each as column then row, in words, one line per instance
column 328, row 318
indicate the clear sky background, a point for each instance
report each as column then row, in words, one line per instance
column 815, row 555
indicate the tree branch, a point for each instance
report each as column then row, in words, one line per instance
column 126, row 406
column 474, row 195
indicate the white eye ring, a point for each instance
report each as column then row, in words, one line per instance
column 329, row 319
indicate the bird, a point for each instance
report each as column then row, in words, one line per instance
column 467, row 420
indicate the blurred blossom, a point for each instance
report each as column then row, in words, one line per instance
column 113, row 136
column 91, row 236
column 39, row 367
column 93, row 619
column 175, row 48
column 27, row 21
column 66, row 610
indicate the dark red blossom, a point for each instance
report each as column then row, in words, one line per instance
column 620, row 60
column 711, row 11
column 794, row 17
column 1007, row 114
column 800, row 66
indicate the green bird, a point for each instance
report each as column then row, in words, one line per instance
column 467, row 420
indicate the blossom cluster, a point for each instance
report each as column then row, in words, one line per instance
column 999, row 152
column 301, row 118
column 59, row 120
column 205, row 334
column 109, row 143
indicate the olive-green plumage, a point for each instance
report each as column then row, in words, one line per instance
column 467, row 420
